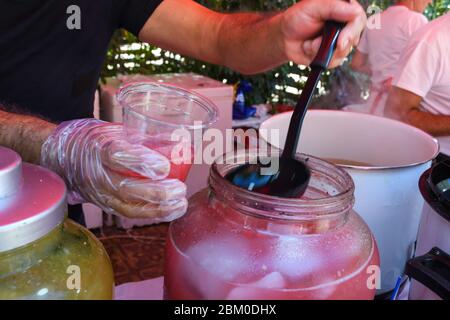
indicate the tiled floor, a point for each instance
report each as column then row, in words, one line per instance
column 136, row 254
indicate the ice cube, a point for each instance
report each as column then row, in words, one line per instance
column 273, row 280
column 215, row 261
column 255, row 290
column 225, row 257
column 324, row 291
column 296, row 258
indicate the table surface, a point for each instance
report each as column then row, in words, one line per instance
column 136, row 254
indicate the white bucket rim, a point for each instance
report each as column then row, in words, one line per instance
column 266, row 125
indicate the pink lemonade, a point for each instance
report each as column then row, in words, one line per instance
column 156, row 114
column 238, row 257
column 180, row 163
column 234, row 244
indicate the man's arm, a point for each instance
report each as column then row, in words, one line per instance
column 25, row 134
column 252, row 42
column 404, row 105
column 360, row 62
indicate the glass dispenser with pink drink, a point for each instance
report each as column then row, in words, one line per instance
column 237, row 244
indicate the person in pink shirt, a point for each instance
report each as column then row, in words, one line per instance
column 420, row 93
column 380, row 47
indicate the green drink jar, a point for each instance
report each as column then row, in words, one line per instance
column 44, row 255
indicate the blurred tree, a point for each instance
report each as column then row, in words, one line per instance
column 281, row 85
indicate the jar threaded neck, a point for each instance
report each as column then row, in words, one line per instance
column 329, row 195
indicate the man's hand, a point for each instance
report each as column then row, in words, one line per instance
column 253, row 42
column 302, row 25
column 100, row 167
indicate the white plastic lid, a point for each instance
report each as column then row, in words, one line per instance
column 32, row 201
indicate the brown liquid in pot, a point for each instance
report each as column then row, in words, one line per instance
column 346, row 162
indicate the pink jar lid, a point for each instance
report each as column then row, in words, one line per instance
column 32, row 201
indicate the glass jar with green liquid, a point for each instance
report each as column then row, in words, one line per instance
column 44, row 255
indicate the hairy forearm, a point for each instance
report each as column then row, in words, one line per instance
column 251, row 43
column 404, row 105
column 25, row 134
column 436, row 125
column 245, row 42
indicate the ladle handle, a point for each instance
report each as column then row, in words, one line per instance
column 295, row 125
column 321, row 61
column 330, row 36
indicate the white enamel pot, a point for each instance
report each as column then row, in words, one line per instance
column 386, row 192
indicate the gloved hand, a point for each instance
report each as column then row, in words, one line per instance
column 101, row 167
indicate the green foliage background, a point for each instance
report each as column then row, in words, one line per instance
column 340, row 86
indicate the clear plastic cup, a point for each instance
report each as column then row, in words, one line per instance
column 167, row 119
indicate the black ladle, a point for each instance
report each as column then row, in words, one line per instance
column 292, row 175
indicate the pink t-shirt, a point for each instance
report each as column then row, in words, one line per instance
column 424, row 67
column 385, row 44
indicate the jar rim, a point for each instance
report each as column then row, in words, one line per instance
column 272, row 207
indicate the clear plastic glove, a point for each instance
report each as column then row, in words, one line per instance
column 101, row 167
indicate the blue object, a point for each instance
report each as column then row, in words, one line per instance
column 397, row 288
column 257, row 180
column 240, row 109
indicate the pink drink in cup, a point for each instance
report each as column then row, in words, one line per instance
column 164, row 118
column 180, row 163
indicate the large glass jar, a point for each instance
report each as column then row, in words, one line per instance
column 43, row 255
column 237, row 244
